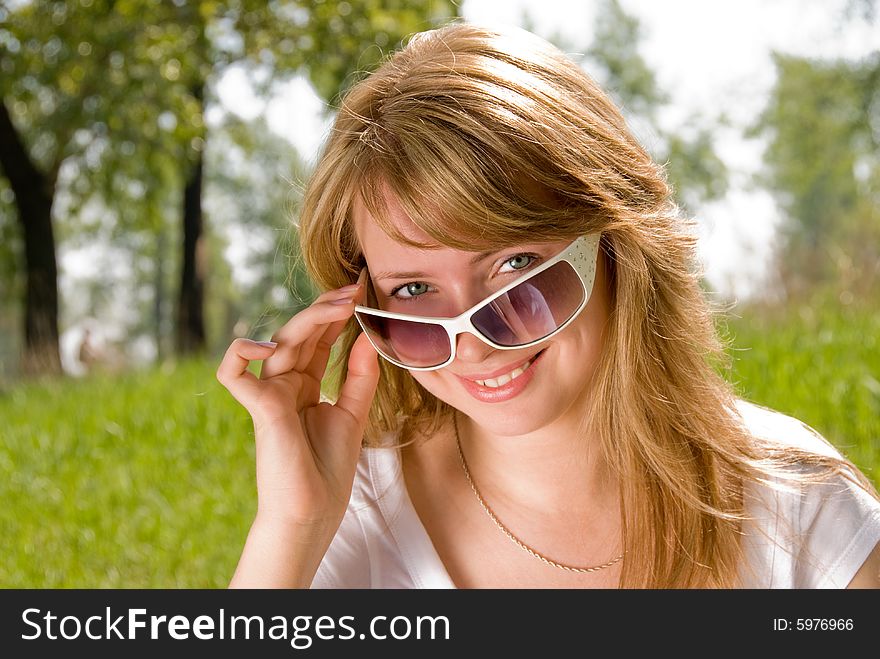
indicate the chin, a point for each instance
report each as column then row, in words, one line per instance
column 504, row 425
column 526, row 413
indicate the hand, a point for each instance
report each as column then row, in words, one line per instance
column 306, row 450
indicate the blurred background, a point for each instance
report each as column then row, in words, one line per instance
column 152, row 158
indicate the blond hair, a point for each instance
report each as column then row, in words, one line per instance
column 488, row 139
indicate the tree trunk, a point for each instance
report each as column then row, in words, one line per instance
column 190, row 308
column 159, row 296
column 34, row 193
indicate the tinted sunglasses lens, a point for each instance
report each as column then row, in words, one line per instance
column 416, row 344
column 534, row 309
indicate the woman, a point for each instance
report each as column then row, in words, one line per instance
column 567, row 428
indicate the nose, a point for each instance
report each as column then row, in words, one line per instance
column 471, row 349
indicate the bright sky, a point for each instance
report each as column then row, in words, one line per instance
column 710, row 57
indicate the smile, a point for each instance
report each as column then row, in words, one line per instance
column 501, row 380
column 502, row 387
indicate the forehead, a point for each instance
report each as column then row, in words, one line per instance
column 377, row 245
column 394, row 238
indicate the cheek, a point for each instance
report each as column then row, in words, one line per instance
column 444, row 386
column 431, row 381
column 587, row 353
column 582, row 344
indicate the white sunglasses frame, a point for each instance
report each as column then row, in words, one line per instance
column 582, row 255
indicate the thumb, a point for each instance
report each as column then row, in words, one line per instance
column 359, row 387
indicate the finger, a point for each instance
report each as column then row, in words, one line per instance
column 311, row 392
column 337, row 296
column 346, row 291
column 315, row 370
column 239, row 354
column 315, row 352
column 297, row 331
column 310, row 345
column 316, row 366
column 359, row 387
column 233, row 369
column 307, row 349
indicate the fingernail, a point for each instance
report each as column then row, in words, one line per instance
column 345, row 300
column 268, row 344
column 349, row 288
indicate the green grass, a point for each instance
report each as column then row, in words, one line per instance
column 146, row 480
column 819, row 363
column 143, row 480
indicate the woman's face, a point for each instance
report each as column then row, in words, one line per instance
column 547, row 383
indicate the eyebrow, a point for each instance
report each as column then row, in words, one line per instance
column 480, row 256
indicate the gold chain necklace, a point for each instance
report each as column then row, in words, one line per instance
column 507, row 531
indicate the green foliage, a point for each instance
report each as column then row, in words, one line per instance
column 87, row 82
column 117, row 81
column 110, row 96
column 332, row 40
column 697, row 175
column 822, row 165
column 615, row 48
column 254, row 184
column 10, row 243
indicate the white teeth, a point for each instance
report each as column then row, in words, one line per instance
column 501, row 380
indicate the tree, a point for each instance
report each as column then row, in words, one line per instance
column 53, row 96
column 822, row 165
column 10, row 284
column 615, row 50
column 253, row 181
column 88, row 85
column 328, row 40
column 696, row 172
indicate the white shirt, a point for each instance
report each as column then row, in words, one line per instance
column 817, row 538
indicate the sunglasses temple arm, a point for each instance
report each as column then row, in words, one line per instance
column 362, row 277
column 363, row 280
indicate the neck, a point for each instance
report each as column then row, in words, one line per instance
column 555, row 469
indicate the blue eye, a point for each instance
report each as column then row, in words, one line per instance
column 413, row 289
column 519, row 262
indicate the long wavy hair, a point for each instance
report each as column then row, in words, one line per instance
column 493, row 138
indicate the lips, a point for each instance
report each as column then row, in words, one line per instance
column 504, row 378
column 506, row 383
column 502, row 371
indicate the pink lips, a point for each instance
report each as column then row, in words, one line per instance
column 496, row 372
column 504, row 392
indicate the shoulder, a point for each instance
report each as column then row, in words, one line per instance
column 809, row 532
column 782, row 430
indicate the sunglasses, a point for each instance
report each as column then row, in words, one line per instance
column 529, row 310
